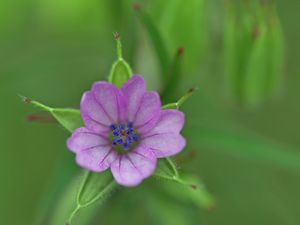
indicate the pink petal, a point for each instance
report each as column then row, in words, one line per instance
column 165, row 144
column 83, row 139
column 96, row 159
column 149, row 109
column 111, row 99
column 93, row 114
column 133, row 90
column 93, row 151
column 170, row 121
column 132, row 168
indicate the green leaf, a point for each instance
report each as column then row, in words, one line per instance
column 183, row 188
column 94, row 187
column 68, row 118
column 194, row 193
column 166, row 169
column 231, row 74
column 48, row 203
column 173, row 77
column 276, row 49
column 164, row 211
column 156, row 39
column 246, row 145
column 120, row 71
column 256, row 69
column 179, row 103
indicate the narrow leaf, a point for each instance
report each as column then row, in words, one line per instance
column 276, row 49
column 68, row 118
column 256, row 69
column 164, row 211
column 179, row 103
column 173, row 77
column 166, row 169
column 197, row 195
column 120, row 71
column 244, row 144
column 94, row 187
column 156, row 39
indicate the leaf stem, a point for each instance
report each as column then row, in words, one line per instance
column 119, row 46
column 179, row 103
column 74, row 212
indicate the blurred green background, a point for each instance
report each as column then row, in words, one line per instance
column 248, row 157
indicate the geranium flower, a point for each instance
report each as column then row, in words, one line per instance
column 125, row 130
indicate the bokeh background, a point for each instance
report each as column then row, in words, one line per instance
column 246, row 152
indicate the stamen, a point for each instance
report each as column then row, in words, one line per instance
column 113, row 127
column 124, row 135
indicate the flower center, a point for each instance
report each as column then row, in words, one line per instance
column 124, row 136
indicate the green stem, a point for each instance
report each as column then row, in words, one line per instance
column 119, row 46
column 179, row 103
column 173, row 166
column 74, row 212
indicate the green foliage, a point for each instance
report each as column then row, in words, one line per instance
column 194, row 192
column 253, row 52
column 68, row 118
column 254, row 180
column 94, row 187
column 120, row 71
column 243, row 144
column 173, row 77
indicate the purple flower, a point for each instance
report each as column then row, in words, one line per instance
column 126, row 131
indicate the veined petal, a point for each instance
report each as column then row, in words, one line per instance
column 145, row 128
column 132, row 168
column 93, row 114
column 83, row 139
column 170, row 121
column 133, row 90
column 165, row 144
column 96, row 159
column 111, row 99
column 149, row 109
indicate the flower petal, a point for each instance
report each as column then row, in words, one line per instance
column 93, row 114
column 170, row 121
column 111, row 99
column 165, row 144
column 132, row 168
column 134, row 90
column 96, row 159
column 93, row 151
column 149, row 109
column 83, row 139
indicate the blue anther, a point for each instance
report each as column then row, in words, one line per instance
column 119, row 141
column 135, row 137
column 126, row 146
column 122, row 126
column 124, row 135
column 129, row 131
column 129, row 140
column 114, row 143
column 116, row 133
column 113, row 126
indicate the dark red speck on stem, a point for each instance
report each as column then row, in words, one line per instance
column 117, row 35
column 180, row 51
column 194, row 186
column 255, row 33
column 136, row 6
column 27, row 100
column 191, row 90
